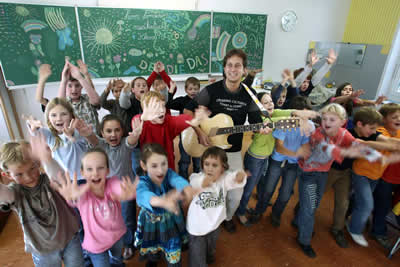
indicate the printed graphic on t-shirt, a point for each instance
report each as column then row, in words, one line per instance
column 104, row 209
column 230, row 104
column 210, row 200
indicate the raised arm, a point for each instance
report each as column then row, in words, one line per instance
column 107, row 104
column 125, row 97
column 317, row 77
column 44, row 74
column 65, row 76
column 94, row 98
column 85, row 72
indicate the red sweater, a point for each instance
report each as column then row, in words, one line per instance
column 164, row 133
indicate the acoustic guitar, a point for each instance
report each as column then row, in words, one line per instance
column 219, row 127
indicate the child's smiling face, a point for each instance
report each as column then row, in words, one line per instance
column 112, row 132
column 95, row 170
column 268, row 104
column 59, row 118
column 156, row 167
column 392, row 121
column 140, row 88
column 331, row 123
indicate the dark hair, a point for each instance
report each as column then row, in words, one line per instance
column 192, row 80
column 236, row 52
column 348, row 106
column 137, row 78
column 367, row 115
column 340, row 89
column 158, row 77
column 298, row 71
column 215, row 152
column 261, row 94
column 95, row 150
column 300, row 102
column 150, row 149
column 388, row 109
column 111, row 117
column 72, row 79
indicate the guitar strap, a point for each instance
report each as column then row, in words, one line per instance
column 258, row 103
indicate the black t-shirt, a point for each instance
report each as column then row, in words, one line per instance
column 347, row 163
column 179, row 103
column 218, row 99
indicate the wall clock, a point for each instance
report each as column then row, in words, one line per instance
column 289, row 21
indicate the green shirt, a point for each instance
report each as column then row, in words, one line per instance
column 263, row 144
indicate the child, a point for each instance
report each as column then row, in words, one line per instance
column 160, row 81
column 113, row 106
column 162, row 128
column 289, row 147
column 50, row 227
column 192, row 88
column 208, row 210
column 130, row 99
column 366, row 176
column 161, row 226
column 278, row 93
column 72, row 82
column 328, row 143
column 66, row 135
column 98, row 202
column 119, row 150
column 256, row 157
column 44, row 74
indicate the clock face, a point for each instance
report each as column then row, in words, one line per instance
column 289, row 21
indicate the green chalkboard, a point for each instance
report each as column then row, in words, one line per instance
column 121, row 42
column 244, row 31
column 34, row 34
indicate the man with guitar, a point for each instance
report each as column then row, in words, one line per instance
column 229, row 97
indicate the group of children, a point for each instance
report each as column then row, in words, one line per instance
column 83, row 204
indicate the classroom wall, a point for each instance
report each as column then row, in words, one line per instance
column 318, row 20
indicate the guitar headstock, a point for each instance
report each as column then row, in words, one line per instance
column 287, row 124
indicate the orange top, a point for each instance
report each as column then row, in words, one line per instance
column 373, row 170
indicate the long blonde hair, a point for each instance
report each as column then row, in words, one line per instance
column 53, row 103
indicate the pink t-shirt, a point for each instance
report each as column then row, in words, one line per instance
column 102, row 218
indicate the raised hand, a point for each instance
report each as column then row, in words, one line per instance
column 69, row 129
column 151, row 110
column 172, row 87
column 380, row 100
column 84, row 129
column 161, row 66
column 66, row 74
column 83, row 68
column 32, row 123
column 128, row 189
column 75, row 72
column 285, row 74
column 71, row 191
column 156, row 68
column 44, row 72
column 357, row 93
column 313, row 58
column 200, row 114
column 137, row 127
column 110, row 86
column 39, row 145
column 331, row 56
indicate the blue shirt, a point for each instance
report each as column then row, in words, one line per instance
column 146, row 189
column 292, row 140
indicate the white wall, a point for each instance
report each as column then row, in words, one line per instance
column 318, row 21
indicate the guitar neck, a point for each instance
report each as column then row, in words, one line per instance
column 243, row 128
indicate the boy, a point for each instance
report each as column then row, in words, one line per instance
column 159, row 127
column 366, row 175
column 192, row 88
column 72, row 82
column 116, row 87
column 160, row 81
column 50, row 226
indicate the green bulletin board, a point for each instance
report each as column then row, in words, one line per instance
column 126, row 42
column 244, row 31
column 31, row 35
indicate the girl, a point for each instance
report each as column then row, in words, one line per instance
column 99, row 205
column 119, row 150
column 161, row 226
column 208, row 210
column 67, row 136
column 328, row 143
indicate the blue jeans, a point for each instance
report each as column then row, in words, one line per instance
column 71, row 255
column 269, row 182
column 311, row 190
column 363, row 189
column 383, row 200
column 135, row 157
column 128, row 209
column 257, row 167
column 184, row 162
column 110, row 257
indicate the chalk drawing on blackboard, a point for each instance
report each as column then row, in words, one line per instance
column 135, row 52
column 216, row 32
column 33, row 24
column 239, row 40
column 222, row 44
column 131, row 69
column 180, row 59
column 55, row 20
column 35, row 45
column 102, row 37
column 198, row 23
column 86, row 12
column 120, row 23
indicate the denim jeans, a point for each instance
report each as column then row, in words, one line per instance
column 184, row 162
column 268, row 184
column 383, row 200
column 71, row 255
column 363, row 189
column 128, row 209
column 311, row 189
column 257, row 168
column 110, row 257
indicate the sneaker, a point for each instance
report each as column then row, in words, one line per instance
column 229, row 226
column 358, row 238
column 339, row 238
column 253, row 219
column 128, row 253
column 307, row 250
column 383, row 241
column 275, row 220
